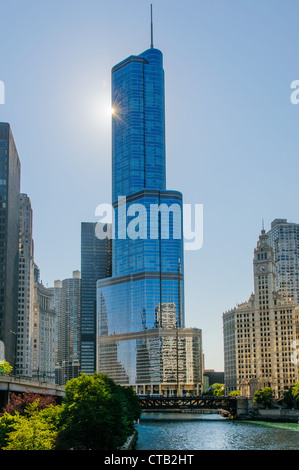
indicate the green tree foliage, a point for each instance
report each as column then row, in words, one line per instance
column 295, row 390
column 7, row 425
column 36, row 429
column 291, row 396
column 264, row 397
column 5, row 368
column 288, row 399
column 218, row 390
column 234, row 393
column 96, row 414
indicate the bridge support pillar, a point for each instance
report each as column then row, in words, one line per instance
column 4, row 396
column 242, row 406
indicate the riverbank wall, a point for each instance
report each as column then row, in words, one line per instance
column 247, row 409
column 130, row 442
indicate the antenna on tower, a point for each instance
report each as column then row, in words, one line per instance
column 152, row 45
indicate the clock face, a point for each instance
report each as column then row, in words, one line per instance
column 262, row 268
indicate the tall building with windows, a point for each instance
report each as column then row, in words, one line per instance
column 260, row 334
column 296, row 344
column 26, row 290
column 284, row 239
column 96, row 262
column 146, row 290
column 9, row 241
column 43, row 334
column 67, row 301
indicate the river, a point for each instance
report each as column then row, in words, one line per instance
column 184, row 431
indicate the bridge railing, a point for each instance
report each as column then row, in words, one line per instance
column 188, row 402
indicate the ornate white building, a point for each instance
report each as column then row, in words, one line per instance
column 260, row 334
column 44, row 319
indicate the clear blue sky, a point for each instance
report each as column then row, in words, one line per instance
column 232, row 132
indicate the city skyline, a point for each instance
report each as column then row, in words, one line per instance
column 230, row 125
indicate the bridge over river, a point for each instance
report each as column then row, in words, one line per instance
column 11, row 384
column 160, row 403
column 147, row 402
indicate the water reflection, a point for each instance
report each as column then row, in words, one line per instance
column 183, row 431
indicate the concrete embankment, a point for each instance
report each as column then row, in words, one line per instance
column 130, row 442
column 247, row 409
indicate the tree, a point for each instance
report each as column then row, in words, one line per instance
column 295, row 390
column 96, row 414
column 288, row 398
column 18, row 403
column 5, row 368
column 131, row 404
column 7, row 425
column 291, row 396
column 264, row 397
column 35, row 430
column 218, row 390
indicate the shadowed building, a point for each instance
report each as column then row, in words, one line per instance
column 9, row 241
column 95, row 264
column 26, row 290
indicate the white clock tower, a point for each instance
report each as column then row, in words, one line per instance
column 264, row 272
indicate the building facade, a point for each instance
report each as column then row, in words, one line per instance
column 96, row 261
column 67, row 301
column 44, row 320
column 146, row 288
column 296, row 343
column 9, row 242
column 284, row 239
column 26, row 290
column 259, row 334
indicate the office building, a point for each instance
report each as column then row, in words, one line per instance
column 145, row 293
column 212, row 377
column 259, row 334
column 67, row 301
column 296, row 342
column 95, row 264
column 26, row 290
column 9, row 242
column 284, row 239
column 43, row 334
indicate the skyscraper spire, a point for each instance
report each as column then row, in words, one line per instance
column 152, row 45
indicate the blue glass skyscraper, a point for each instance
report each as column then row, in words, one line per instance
column 138, row 127
column 145, row 295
